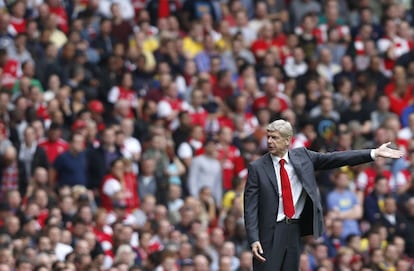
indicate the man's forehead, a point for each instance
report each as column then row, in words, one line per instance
column 273, row 133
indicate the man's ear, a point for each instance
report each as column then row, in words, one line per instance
column 288, row 140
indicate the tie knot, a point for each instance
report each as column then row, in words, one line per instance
column 282, row 162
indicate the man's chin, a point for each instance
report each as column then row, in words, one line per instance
column 272, row 151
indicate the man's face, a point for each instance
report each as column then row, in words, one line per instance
column 276, row 143
column 54, row 134
column 78, row 144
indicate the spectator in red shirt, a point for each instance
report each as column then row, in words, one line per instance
column 271, row 89
column 241, row 109
column 399, row 91
column 197, row 113
column 56, row 7
column 131, row 186
column 54, row 144
column 112, row 187
column 9, row 69
column 17, row 19
column 265, row 40
column 223, row 88
column 231, row 162
column 124, row 91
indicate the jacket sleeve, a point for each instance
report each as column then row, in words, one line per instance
column 251, row 205
column 337, row 159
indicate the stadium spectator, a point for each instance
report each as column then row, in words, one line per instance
column 151, row 83
column 70, row 167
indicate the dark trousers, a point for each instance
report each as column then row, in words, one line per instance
column 283, row 250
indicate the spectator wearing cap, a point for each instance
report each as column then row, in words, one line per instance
column 205, row 170
column 97, row 109
column 79, row 126
column 70, row 167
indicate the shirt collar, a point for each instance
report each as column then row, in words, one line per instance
column 276, row 159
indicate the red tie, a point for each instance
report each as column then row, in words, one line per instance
column 286, row 191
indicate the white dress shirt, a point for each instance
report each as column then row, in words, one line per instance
column 298, row 195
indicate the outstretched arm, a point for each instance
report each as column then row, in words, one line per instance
column 385, row 151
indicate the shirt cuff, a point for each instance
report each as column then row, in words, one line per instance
column 373, row 154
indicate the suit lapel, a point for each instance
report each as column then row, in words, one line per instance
column 295, row 161
column 270, row 171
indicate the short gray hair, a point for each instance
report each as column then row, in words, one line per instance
column 283, row 127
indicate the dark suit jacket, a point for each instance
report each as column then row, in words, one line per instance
column 399, row 228
column 39, row 160
column 96, row 165
column 261, row 196
column 372, row 211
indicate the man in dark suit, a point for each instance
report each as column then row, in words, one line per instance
column 281, row 199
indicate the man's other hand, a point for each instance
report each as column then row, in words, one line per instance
column 257, row 251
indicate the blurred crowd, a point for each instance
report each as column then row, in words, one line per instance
column 127, row 127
